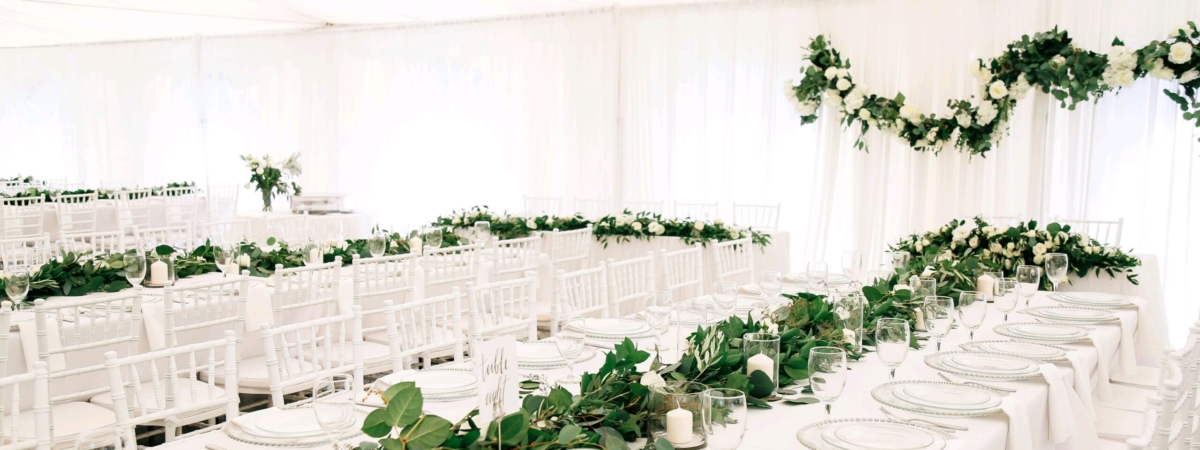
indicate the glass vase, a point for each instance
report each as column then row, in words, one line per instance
column 266, row 196
column 762, row 354
column 848, row 311
column 676, row 412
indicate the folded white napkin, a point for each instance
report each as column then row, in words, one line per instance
column 1019, row 437
column 1126, row 352
column 1103, row 389
column 1149, row 346
column 1083, row 382
column 1058, row 399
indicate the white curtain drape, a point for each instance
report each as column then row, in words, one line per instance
column 680, row 102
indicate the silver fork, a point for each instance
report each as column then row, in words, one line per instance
column 931, row 423
column 972, row 383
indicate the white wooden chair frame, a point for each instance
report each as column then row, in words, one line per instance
column 379, row 282
column 759, row 217
column 305, row 287
column 313, row 341
column 76, row 213
column 419, row 329
column 504, row 307
column 582, row 292
column 571, row 250
column 511, row 258
column 637, row 207
column 1107, row 232
column 178, row 236
column 444, row 268
column 22, row 217
column 229, row 231
column 734, row 260
column 29, row 251
column 696, row 211
column 99, row 243
column 631, row 280
column 41, row 395
column 133, row 209
column 541, row 206
column 683, row 272
column 222, row 202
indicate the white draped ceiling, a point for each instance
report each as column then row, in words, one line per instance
column 673, row 102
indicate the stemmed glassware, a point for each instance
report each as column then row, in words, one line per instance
column 569, row 338
column 658, row 316
column 333, row 405
column 135, row 267
column 971, row 309
column 923, row 287
column 827, row 375
column 725, row 297
column 223, row 258
column 1006, row 295
column 771, row 283
column 376, row 244
column 939, row 316
column 1028, row 279
column 891, row 342
column 852, row 265
column 817, row 272
column 432, row 237
column 481, row 232
column 104, row 438
column 724, row 418
column 1056, row 268
column 16, row 284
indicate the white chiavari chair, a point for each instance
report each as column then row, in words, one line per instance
column 178, row 236
column 631, row 284
column 759, row 217
column 592, row 208
column 31, row 252
column 695, row 211
column 22, row 217
column 683, row 272
column 1107, row 232
column 504, row 307
column 734, row 260
column 638, row 207
column 302, row 292
column 180, row 206
column 511, row 258
column 326, row 228
column 133, row 209
column 1161, row 429
column 26, row 429
column 328, row 346
column 445, row 268
column 292, row 229
column 228, row 231
column 376, row 282
column 540, row 206
column 571, row 250
column 72, row 334
column 581, row 293
column 151, row 389
column 222, row 202
column 426, row 329
column 98, row 243
column 76, row 213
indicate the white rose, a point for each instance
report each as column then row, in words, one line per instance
column 964, row 119
column 925, row 242
column 962, row 232
column 849, row 336
column 806, row 108
column 1008, row 264
column 843, row 84
column 920, row 247
column 974, row 241
column 1189, row 76
column 843, row 72
column 455, row 221
column 1039, row 249
column 901, row 287
column 743, row 235
column 998, row 90
column 652, row 378
column 864, row 114
column 243, row 260
column 1031, row 233
column 928, row 272
column 986, row 113
column 987, row 253
column 247, row 186
column 1058, row 60
column 699, row 226
column 854, row 100
column 1010, row 246
column 910, row 112
column 842, row 313
column 1037, row 259
column 1087, row 250
column 1020, row 88
column 995, row 247
column 637, row 226
column 1162, row 72
column 531, row 224
column 1125, row 79
column 259, row 170
column 1181, row 52
column 831, row 73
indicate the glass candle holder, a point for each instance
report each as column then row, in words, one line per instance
column 848, row 310
column 676, row 412
column 161, row 269
column 762, row 354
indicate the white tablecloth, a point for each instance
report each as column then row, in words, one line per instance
column 106, row 215
column 1149, row 288
column 353, row 224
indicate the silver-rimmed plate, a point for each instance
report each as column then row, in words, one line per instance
column 873, row 434
column 1071, row 314
column 615, row 329
column 437, row 384
column 1031, row 350
column 938, row 362
column 1091, row 299
column 937, row 398
column 1042, row 332
column 544, row 355
column 802, row 278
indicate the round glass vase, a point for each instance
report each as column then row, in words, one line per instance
column 848, row 309
column 676, row 413
column 762, row 355
column 160, row 269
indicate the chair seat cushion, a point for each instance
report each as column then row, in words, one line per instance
column 183, row 395
column 436, row 334
column 252, row 372
column 70, row 419
column 372, row 353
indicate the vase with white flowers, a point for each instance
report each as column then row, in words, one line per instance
column 273, row 177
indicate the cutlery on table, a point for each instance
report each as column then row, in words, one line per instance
column 972, row 383
column 946, row 426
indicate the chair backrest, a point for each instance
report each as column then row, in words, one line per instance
column 631, row 284
column 582, row 292
column 683, row 272
column 591, row 208
column 332, row 344
column 513, row 257
column 696, row 211
column 377, row 280
column 637, row 207
column 229, row 231
column 448, row 267
column 504, row 307
column 571, row 250
column 292, row 229
column 166, row 398
column 222, row 202
column 32, row 251
column 133, row 209
column 759, row 217
column 10, row 388
column 204, row 310
column 178, row 236
column 421, row 327
column 306, row 288
column 326, row 228
column 734, row 260
column 1107, row 232
column 76, row 213
column 22, row 217
column 99, row 243
column 542, row 206
column 180, row 206
column 1161, row 427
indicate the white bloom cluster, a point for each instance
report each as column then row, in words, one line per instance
column 1161, row 71
column 1119, row 72
column 855, row 99
column 1181, row 53
column 531, row 224
column 656, row 228
column 998, row 90
column 910, row 112
column 1188, row 76
column 1019, row 88
column 986, row 112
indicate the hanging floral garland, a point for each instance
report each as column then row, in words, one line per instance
column 1048, row 61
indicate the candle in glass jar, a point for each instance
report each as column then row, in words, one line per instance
column 761, row 362
column 679, row 426
column 414, row 246
column 158, row 273
column 315, row 256
column 985, row 284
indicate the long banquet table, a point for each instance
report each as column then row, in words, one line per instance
column 776, row 428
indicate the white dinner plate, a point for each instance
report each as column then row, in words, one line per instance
column 1093, row 300
column 833, row 279
column 537, row 353
column 984, row 367
column 1048, row 332
column 616, row 329
column 299, row 422
column 1094, row 297
column 936, row 398
column 1071, row 314
column 869, row 434
column 989, row 363
column 1041, row 352
column 440, row 382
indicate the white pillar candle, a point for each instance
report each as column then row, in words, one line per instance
column 158, row 273
column 919, row 319
column 414, row 246
column 761, row 362
column 315, row 256
column 986, row 284
column 679, row 426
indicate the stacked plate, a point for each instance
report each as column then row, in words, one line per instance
column 545, row 355
column 1040, row 352
column 290, row 427
column 607, row 331
column 1042, row 332
column 436, row 384
column 869, row 434
column 802, row 278
column 1070, row 314
column 988, row 366
column 938, row 399
column 694, row 317
column 1091, row 299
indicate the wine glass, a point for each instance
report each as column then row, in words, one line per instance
column 771, row 284
column 891, row 342
column 725, row 297
column 432, row 237
column 1028, row 279
column 482, row 232
column 222, row 257
column 971, row 309
column 569, row 339
column 135, row 268
column 759, row 310
column 724, row 418
column 923, row 287
column 658, row 316
column 1006, row 295
column 939, row 315
column 333, row 404
column 817, row 272
column 376, row 244
column 16, row 285
column 1056, row 268
column 852, row 265
column 827, row 375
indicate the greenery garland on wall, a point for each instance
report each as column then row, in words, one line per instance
column 1048, row 61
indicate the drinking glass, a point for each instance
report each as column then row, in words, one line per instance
column 759, row 310
column 923, row 287
column 771, row 283
column 817, row 272
column 848, row 309
column 482, row 232
column 995, row 276
column 222, row 257
column 852, row 265
column 376, row 244
column 725, row 297
column 1028, row 279
column 1056, row 268
column 827, row 375
column 311, row 252
column 135, row 268
column 972, row 309
column 105, row 438
column 658, row 316
column 900, row 261
column 432, row 237
column 569, row 339
column 891, row 342
column 333, row 404
column 1006, row 295
column 939, row 315
column 16, row 285
column 724, row 418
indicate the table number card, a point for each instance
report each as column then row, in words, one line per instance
column 496, row 370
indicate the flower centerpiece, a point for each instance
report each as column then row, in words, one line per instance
column 272, row 177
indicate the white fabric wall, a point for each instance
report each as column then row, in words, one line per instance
column 663, row 103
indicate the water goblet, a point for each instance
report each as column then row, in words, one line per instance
column 482, row 232
column 852, row 265
column 658, row 316
column 900, row 261
column 333, row 405
column 939, row 316
column 771, row 284
column 569, row 339
column 891, row 342
column 1006, row 295
column 376, row 244
column 817, row 272
column 827, row 375
column 724, row 418
column 725, row 297
column 1028, row 280
column 222, row 257
column 971, row 309
column 432, row 237
column 1056, row 268
column 16, row 284
column 135, row 268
